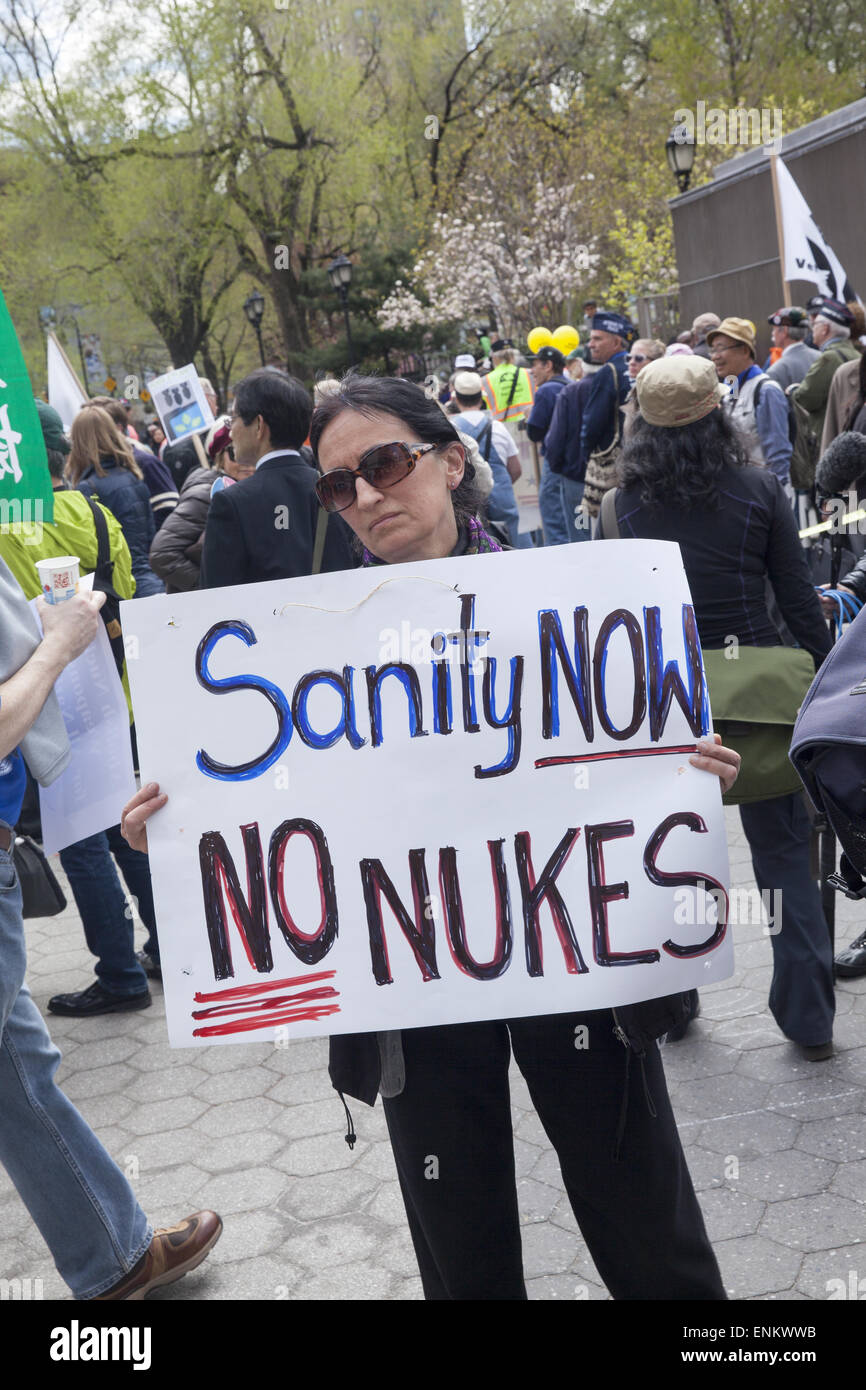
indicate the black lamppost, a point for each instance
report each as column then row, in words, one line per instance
column 340, row 275
column 680, row 150
column 254, row 308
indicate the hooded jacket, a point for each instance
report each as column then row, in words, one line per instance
column 176, row 551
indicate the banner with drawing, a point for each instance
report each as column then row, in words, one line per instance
column 180, row 403
column 429, row 793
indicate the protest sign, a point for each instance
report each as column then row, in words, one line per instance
column 180, row 403
column 88, row 794
column 26, row 494
column 429, row 793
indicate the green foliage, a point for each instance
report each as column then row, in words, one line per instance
column 230, row 146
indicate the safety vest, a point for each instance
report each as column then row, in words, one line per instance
column 505, row 403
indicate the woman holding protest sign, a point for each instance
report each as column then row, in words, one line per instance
column 393, row 464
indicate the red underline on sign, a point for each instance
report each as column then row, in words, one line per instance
column 619, row 753
column 260, row 1006
column 246, row 991
column 246, row 1025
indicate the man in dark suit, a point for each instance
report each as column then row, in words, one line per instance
column 265, row 527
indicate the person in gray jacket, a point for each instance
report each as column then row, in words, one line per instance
column 175, row 554
column 788, row 329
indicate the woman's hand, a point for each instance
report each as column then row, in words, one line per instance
column 829, row 605
column 713, row 757
column 137, row 812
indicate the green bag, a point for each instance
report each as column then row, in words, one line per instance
column 755, row 693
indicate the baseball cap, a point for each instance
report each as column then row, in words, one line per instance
column 790, row 317
column 674, row 391
column 52, row 427
column 464, row 359
column 613, row 323
column 741, row 330
column 467, row 384
column 549, row 353
column 836, row 312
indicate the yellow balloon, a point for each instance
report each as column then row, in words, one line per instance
column 566, row 338
column 539, row 338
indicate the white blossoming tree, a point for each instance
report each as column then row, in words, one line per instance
column 516, row 271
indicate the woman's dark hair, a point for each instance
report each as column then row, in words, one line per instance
column 680, row 467
column 56, row 463
column 283, row 403
column 368, row 395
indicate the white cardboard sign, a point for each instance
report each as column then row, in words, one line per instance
column 180, row 403
column 429, row 793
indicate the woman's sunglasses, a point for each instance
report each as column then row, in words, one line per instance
column 635, row 357
column 382, row 466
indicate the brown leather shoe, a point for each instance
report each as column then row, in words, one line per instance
column 172, row 1253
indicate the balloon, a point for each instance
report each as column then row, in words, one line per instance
column 539, row 338
column 566, row 338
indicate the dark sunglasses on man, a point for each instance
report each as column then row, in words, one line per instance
column 382, row 466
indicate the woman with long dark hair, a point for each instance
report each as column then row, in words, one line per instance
column 392, row 464
column 684, row 477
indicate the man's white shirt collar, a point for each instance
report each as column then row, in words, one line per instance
column 277, row 454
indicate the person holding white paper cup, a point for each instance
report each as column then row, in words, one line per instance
column 392, row 463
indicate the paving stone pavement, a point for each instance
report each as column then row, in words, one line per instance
column 776, row 1146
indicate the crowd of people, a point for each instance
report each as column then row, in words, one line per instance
column 690, row 441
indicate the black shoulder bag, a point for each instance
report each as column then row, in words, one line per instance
column 103, row 583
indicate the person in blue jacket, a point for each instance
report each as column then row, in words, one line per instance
column 607, row 344
column 563, row 453
column 101, row 465
column 548, row 373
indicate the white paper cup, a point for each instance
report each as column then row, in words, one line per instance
column 59, row 577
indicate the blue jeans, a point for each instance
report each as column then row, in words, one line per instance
column 578, row 523
column 101, row 904
column 502, row 507
column 75, row 1192
column 551, row 504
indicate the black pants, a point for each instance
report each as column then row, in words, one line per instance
column 452, row 1140
column 802, row 999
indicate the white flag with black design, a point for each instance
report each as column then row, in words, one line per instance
column 808, row 256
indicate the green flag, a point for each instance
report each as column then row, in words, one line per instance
column 26, row 494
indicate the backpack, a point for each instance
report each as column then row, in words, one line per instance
column 482, row 433
column 803, row 440
column 828, row 750
column 806, row 442
column 103, row 583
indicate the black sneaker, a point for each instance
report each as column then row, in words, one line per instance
column 852, row 961
column 151, row 967
column 97, row 1000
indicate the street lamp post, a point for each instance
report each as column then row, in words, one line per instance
column 254, row 308
column 680, row 150
column 340, row 276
